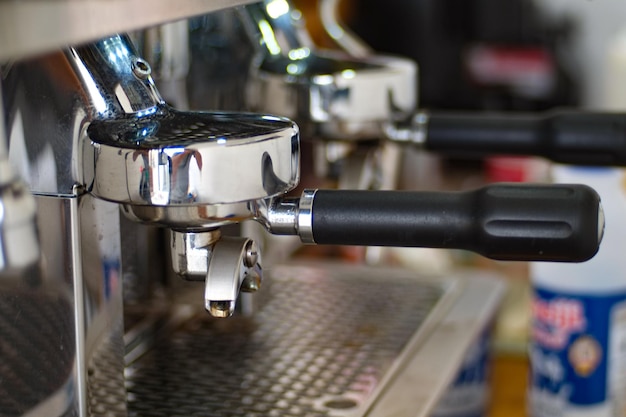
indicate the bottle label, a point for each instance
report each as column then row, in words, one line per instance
column 577, row 355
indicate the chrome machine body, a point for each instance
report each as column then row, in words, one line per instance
column 90, row 133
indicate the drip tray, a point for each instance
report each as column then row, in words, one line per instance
column 329, row 340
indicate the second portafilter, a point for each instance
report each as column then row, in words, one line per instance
column 338, row 97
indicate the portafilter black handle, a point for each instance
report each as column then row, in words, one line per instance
column 572, row 137
column 518, row 222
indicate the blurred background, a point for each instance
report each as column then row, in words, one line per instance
column 494, row 55
column 577, row 34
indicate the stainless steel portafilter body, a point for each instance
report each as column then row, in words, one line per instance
column 330, row 94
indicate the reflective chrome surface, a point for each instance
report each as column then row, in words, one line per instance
column 221, row 54
column 19, row 247
column 227, row 265
column 329, row 15
column 191, row 217
column 288, row 216
column 60, row 319
column 305, row 216
column 331, row 95
column 278, row 215
column 411, row 132
column 191, row 253
column 173, row 158
column 166, row 47
column 51, row 100
column 235, row 265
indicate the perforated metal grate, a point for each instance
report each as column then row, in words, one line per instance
column 319, row 347
column 33, row 325
column 105, row 379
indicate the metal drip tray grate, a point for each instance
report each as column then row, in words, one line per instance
column 321, row 345
column 33, row 325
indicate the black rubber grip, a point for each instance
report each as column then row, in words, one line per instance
column 568, row 137
column 502, row 221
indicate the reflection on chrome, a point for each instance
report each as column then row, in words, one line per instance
column 337, row 96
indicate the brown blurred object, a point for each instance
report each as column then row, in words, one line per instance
column 508, row 386
column 314, row 24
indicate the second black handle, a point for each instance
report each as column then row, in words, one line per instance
column 573, row 137
column 505, row 222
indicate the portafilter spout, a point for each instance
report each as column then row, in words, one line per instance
column 194, row 173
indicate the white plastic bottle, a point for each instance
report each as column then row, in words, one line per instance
column 578, row 328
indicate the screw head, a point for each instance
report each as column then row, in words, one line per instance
column 251, row 254
column 141, row 68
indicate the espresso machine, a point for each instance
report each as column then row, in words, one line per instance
column 124, row 191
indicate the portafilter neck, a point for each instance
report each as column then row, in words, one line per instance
column 118, row 82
